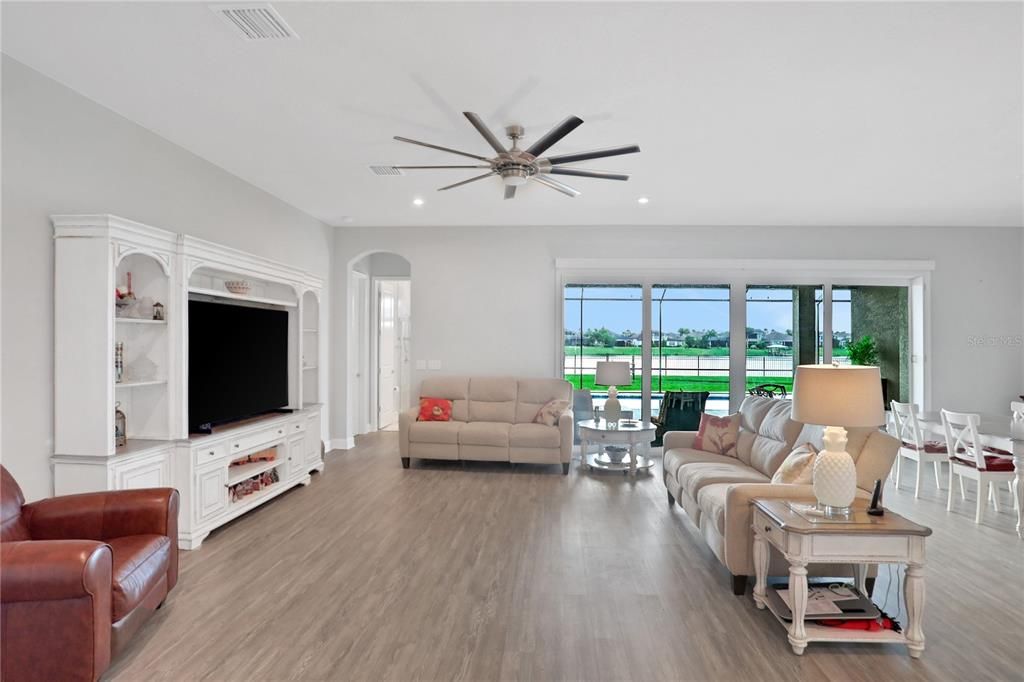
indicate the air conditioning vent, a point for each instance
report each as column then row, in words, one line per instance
column 386, row 170
column 258, row 21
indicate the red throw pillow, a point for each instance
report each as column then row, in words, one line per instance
column 435, row 410
column 718, row 434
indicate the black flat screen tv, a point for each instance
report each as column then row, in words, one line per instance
column 237, row 363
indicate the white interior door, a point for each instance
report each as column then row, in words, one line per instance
column 387, row 358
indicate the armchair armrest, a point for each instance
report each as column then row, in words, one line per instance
column 49, row 570
column 566, row 435
column 56, row 597
column 678, row 439
column 110, row 514
column 406, row 419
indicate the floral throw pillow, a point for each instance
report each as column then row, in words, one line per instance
column 552, row 410
column 798, row 467
column 718, row 434
column 435, row 410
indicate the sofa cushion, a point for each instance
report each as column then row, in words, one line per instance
column 139, row 562
column 485, row 433
column 533, row 394
column 492, row 399
column 455, row 389
column 534, row 436
column 435, row 432
column 718, row 434
column 711, row 500
column 550, row 413
column 775, row 437
column 693, row 477
column 798, row 467
column 677, row 457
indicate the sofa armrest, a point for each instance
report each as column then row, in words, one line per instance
column 406, row 419
column 678, row 439
column 566, row 436
column 111, row 514
column 56, row 598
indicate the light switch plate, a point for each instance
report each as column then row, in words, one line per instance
column 434, row 364
column 421, row 364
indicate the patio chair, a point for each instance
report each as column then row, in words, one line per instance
column 768, row 391
column 582, row 410
column 680, row 411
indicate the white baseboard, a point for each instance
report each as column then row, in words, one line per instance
column 341, row 443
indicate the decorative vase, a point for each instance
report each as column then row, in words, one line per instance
column 120, row 427
column 835, row 476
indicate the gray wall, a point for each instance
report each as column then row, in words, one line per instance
column 63, row 153
column 484, row 299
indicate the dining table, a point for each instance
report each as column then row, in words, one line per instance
column 996, row 431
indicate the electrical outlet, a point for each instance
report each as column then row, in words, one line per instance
column 421, row 364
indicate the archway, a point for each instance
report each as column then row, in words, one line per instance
column 379, row 341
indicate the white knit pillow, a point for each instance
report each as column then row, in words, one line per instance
column 798, row 467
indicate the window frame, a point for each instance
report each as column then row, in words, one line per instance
column 738, row 274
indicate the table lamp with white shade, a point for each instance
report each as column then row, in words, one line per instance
column 837, row 397
column 612, row 374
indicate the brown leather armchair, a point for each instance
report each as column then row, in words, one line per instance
column 79, row 575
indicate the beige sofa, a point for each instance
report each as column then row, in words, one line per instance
column 492, row 420
column 715, row 491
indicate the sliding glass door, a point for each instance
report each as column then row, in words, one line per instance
column 690, row 343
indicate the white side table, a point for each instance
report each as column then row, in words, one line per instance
column 632, row 436
column 867, row 540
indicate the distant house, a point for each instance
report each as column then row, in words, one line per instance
column 670, row 340
column 572, row 338
column 629, row 339
column 775, row 338
column 718, row 340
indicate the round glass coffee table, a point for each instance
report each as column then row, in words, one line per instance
column 619, row 445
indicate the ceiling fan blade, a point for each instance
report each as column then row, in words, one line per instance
column 554, row 135
column 595, row 154
column 466, row 182
column 510, row 191
column 556, row 185
column 443, row 149
column 482, row 128
column 583, row 173
column 434, row 167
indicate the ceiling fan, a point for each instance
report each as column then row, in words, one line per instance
column 518, row 166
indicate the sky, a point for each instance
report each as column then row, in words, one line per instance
column 626, row 314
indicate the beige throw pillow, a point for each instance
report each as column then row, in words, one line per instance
column 552, row 410
column 718, row 434
column 798, row 467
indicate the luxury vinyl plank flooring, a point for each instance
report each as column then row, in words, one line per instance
column 495, row 572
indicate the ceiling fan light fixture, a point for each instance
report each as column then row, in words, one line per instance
column 514, row 178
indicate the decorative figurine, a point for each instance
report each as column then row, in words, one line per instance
column 120, row 426
column 158, row 311
column 118, row 361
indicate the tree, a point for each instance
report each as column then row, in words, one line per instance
column 691, row 341
column 600, row 337
column 683, row 331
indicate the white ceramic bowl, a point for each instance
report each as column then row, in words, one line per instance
column 238, row 286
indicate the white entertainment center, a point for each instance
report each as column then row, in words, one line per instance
column 220, row 475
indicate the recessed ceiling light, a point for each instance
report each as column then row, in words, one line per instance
column 642, row 200
column 417, row 202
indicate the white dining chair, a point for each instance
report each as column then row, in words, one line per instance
column 913, row 446
column 968, row 459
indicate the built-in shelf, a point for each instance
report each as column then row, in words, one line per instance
column 259, row 495
column 311, row 331
column 240, row 472
column 135, row 384
column 135, row 446
column 137, row 320
column 308, row 367
column 217, row 293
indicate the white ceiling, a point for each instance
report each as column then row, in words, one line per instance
column 747, row 114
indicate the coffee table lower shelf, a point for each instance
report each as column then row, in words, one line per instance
column 823, row 633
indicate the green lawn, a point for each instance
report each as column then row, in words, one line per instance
column 681, row 383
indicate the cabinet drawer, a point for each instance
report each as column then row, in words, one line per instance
column 151, row 471
column 210, row 453
column 264, row 437
column 774, row 534
column 297, row 427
